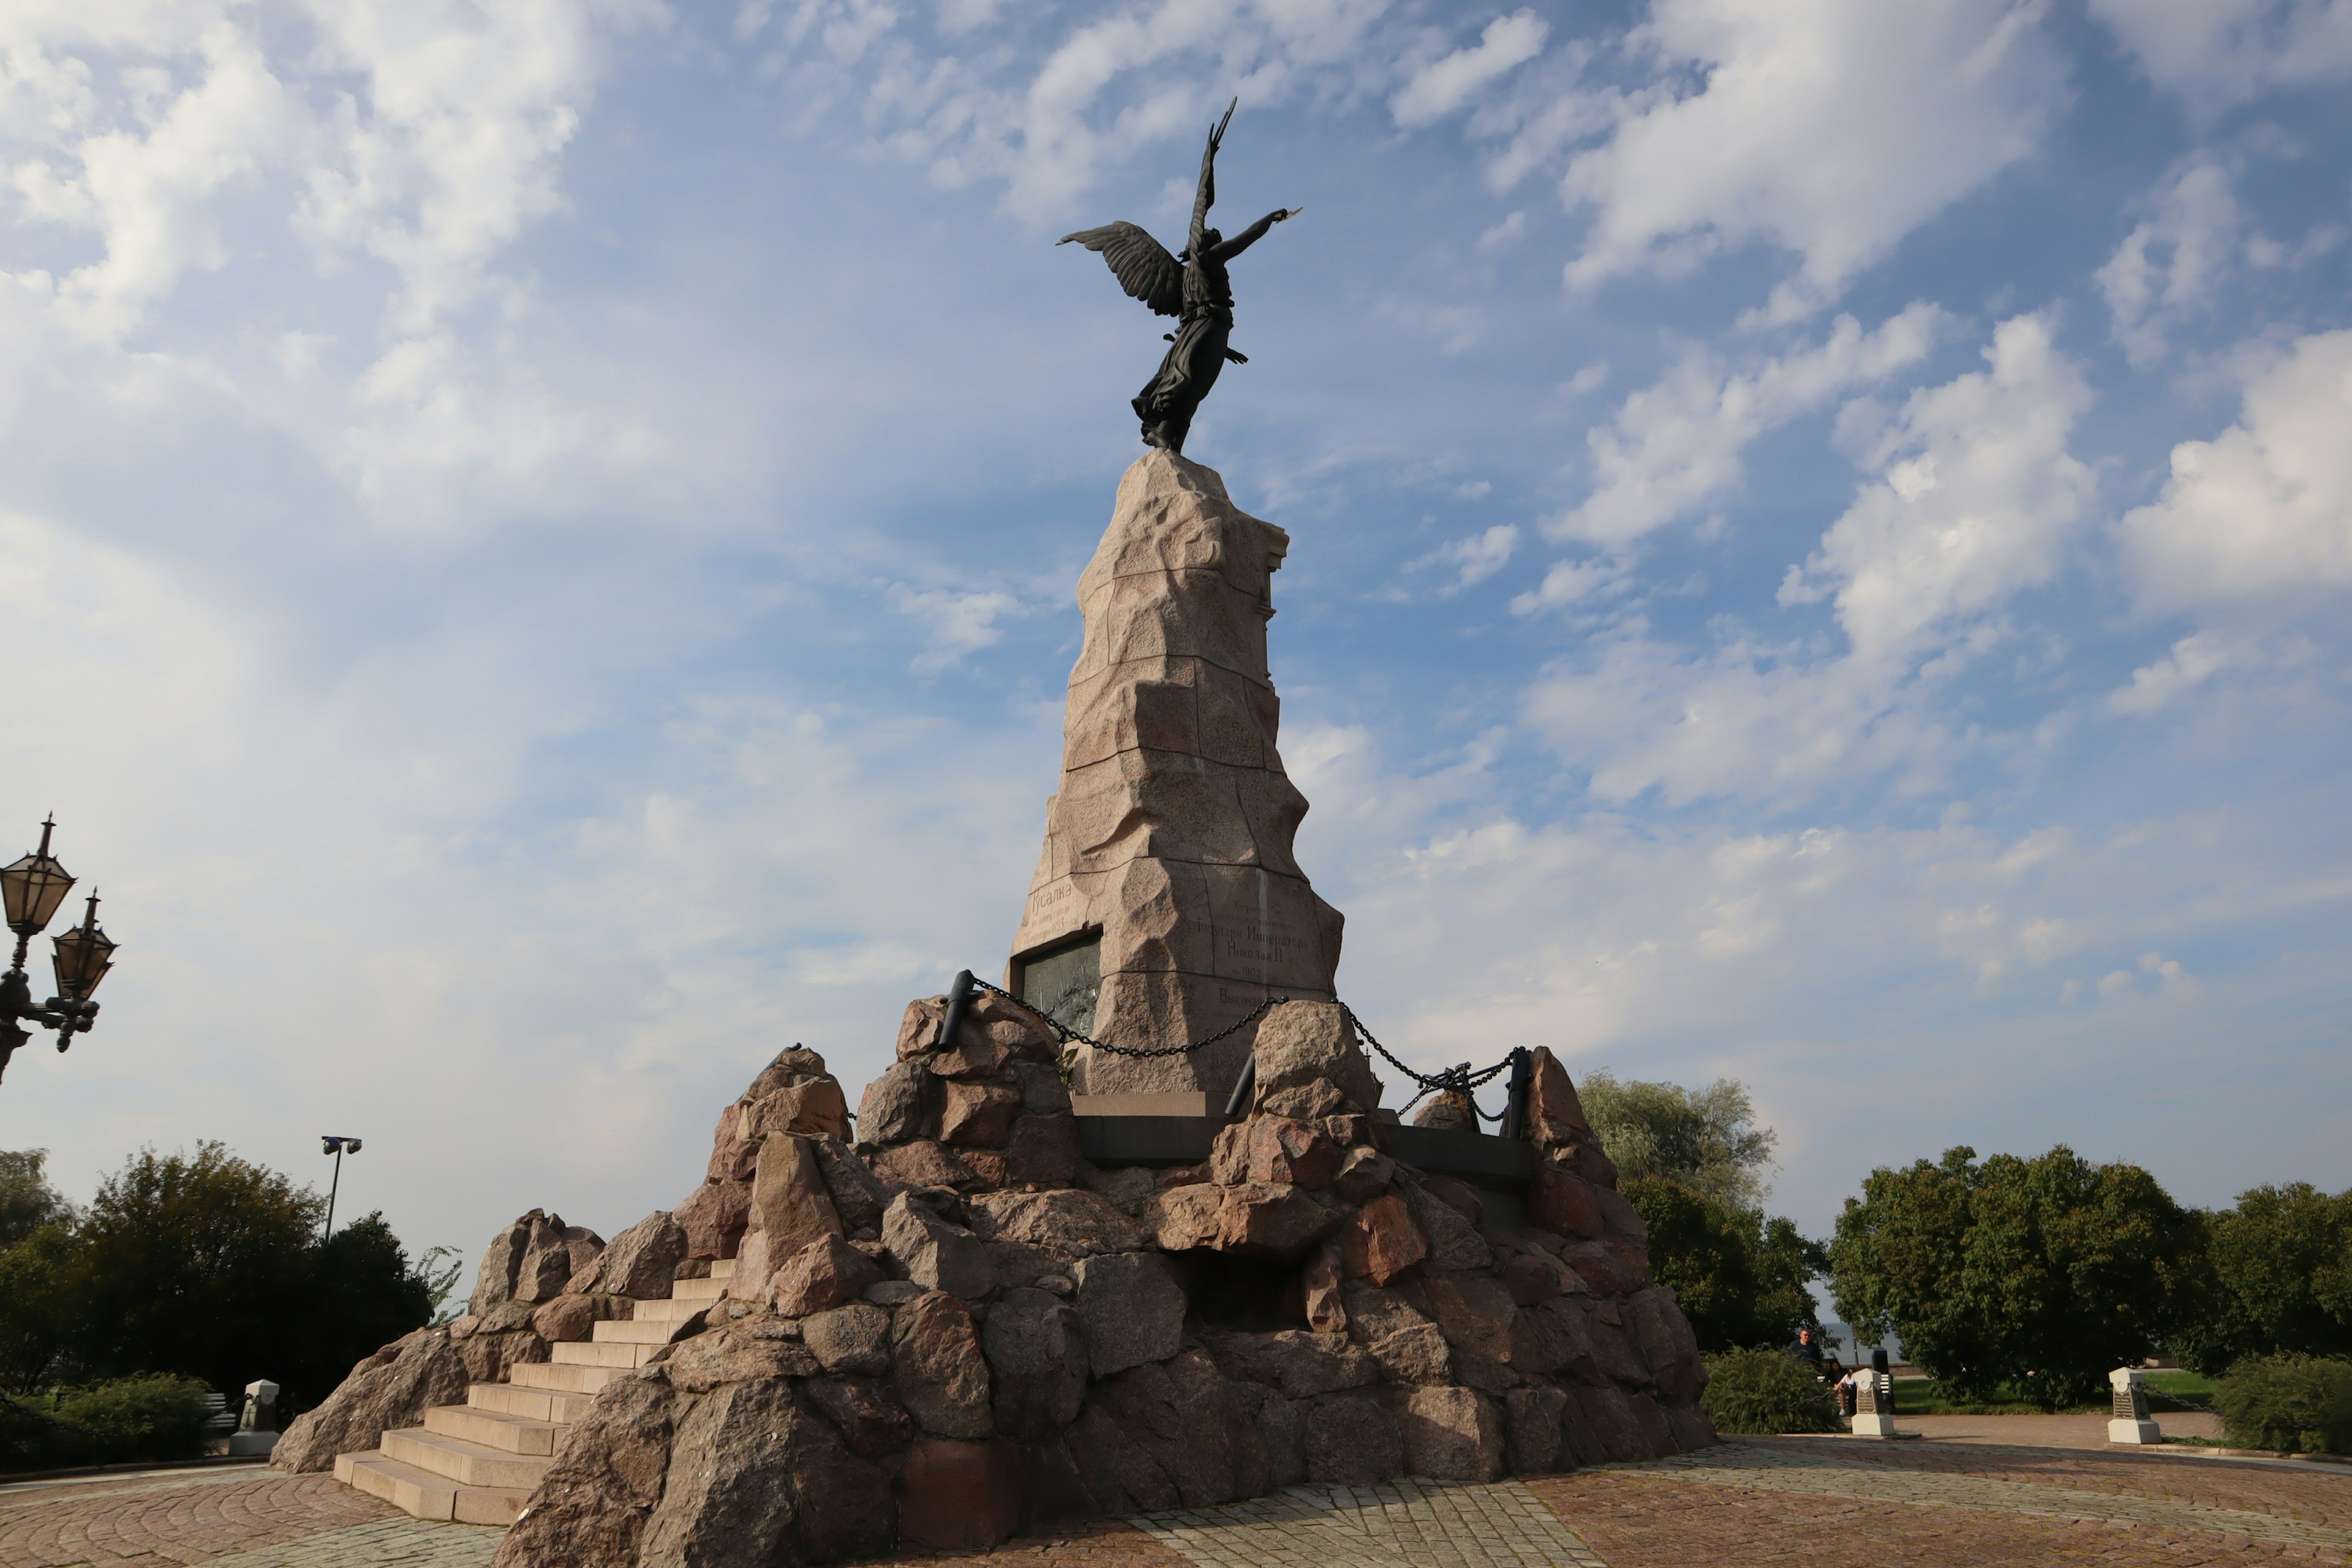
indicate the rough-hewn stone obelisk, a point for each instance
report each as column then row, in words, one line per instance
column 1167, row 903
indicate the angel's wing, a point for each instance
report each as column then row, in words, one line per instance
column 1142, row 263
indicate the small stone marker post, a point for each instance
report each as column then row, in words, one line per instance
column 256, row 1429
column 1873, row 1405
column 2131, row 1424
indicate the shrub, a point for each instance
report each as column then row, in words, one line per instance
column 1766, row 1391
column 152, row 1417
column 2299, row 1403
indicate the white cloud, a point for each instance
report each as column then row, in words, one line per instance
column 954, row 622
column 1978, row 499
column 1675, row 445
column 1831, row 128
column 2190, row 663
column 2171, row 262
column 2265, row 508
column 2216, row 53
column 1444, row 85
column 1571, row 583
column 1474, row 558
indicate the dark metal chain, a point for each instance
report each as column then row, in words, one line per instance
column 1070, row 1037
column 1459, row 1079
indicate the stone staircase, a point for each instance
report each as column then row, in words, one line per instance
column 477, row 1463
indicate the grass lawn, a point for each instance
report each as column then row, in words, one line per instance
column 1924, row 1397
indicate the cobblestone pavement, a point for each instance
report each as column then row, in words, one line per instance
column 1831, row 1504
column 243, row 1519
column 1400, row 1524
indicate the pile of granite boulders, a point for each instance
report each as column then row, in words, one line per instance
column 956, row 1328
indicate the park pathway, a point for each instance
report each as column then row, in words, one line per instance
column 1819, row 1503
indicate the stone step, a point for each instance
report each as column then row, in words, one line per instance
column 424, row 1495
column 677, row 1310
column 634, row 1332
column 562, row 1377
column 696, row 1290
column 558, row 1406
column 723, row 1269
column 493, row 1428
column 600, row 1352
column 466, row 1464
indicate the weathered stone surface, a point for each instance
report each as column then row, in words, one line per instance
column 1612, row 1347
column 960, row 1495
column 1352, row 1439
column 970, row 1059
column 1169, row 1433
column 1302, row 1043
column 852, row 1341
column 1073, row 1221
column 893, row 1292
column 1264, row 1219
column 987, row 1018
column 1281, row 1426
column 936, row 1253
column 1555, row 1115
column 790, row 1204
column 734, row 1354
column 643, row 1260
column 1610, row 1269
column 1532, row 1441
column 1326, row 1312
column 941, row 1374
column 795, row 1065
column 494, row 1281
column 1534, row 1277
column 922, row 1163
column 814, row 1108
column 1283, row 1149
column 501, row 1318
column 871, row 1420
column 1298, row 1364
column 1043, row 1094
column 732, row 1155
column 978, row 1115
column 391, row 1389
column 1664, row 1337
column 1447, row 1112
column 1381, row 1241
column 1183, row 1218
column 1553, row 1337
column 1306, row 1102
column 1476, row 1314
column 755, row 1479
column 571, row 1316
column 552, row 1253
column 1038, row 1362
column 1229, row 1154
column 1692, row 1429
column 1620, row 1215
column 1453, row 1242
column 490, row 1357
column 1461, row 1196
column 1130, row 1311
column 1600, row 1426
column 859, row 1196
column 1364, row 1175
column 1452, row 1435
column 714, row 1216
column 822, row 1276
column 901, row 1104
column 1657, row 1438
column 590, row 1508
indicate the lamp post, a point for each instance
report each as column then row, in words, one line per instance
column 31, row 889
column 338, row 1146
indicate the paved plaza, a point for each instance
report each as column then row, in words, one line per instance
column 1828, row 1502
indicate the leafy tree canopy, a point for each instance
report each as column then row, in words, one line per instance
column 2280, row 1279
column 2046, row 1273
column 1705, row 1139
column 27, row 1202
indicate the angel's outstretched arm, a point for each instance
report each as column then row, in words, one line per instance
column 1206, row 197
column 1252, row 235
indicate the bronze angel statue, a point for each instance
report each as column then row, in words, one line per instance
column 1191, row 285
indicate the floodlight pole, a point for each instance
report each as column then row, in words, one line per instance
column 332, row 1188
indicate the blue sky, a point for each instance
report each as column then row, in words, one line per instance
column 538, row 545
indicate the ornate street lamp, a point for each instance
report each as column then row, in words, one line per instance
column 31, row 889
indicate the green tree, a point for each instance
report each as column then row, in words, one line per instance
column 2044, row 1273
column 27, row 1202
column 1692, row 1163
column 37, row 1315
column 2279, row 1280
column 1706, row 1139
